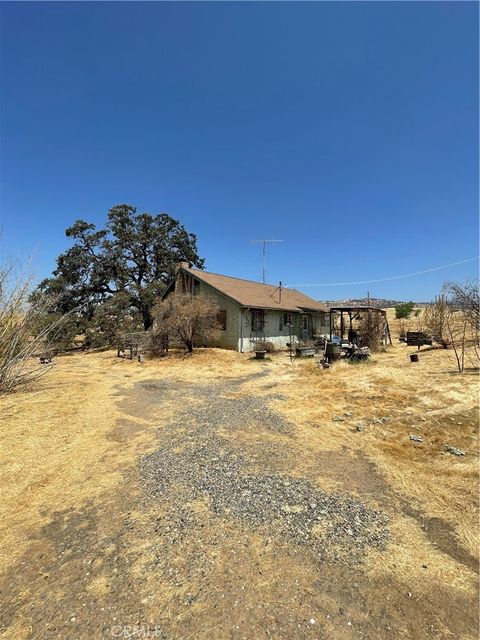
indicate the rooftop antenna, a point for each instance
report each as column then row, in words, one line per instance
column 264, row 254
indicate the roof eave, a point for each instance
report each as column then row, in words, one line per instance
column 195, row 275
column 295, row 308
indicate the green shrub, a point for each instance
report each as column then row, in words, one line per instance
column 404, row 309
column 112, row 320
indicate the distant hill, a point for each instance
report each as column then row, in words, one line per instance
column 380, row 303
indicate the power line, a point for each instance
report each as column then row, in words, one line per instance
column 264, row 254
column 405, row 275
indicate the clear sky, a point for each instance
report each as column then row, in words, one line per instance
column 349, row 130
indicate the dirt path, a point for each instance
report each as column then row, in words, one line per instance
column 200, row 513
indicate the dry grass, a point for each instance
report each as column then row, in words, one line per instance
column 58, row 453
column 428, row 398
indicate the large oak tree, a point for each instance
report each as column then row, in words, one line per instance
column 135, row 256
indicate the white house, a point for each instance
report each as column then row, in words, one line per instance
column 251, row 311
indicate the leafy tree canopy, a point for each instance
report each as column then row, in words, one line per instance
column 135, row 256
column 403, row 310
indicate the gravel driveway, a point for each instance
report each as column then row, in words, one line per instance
column 195, row 462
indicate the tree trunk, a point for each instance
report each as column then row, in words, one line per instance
column 147, row 319
column 189, row 345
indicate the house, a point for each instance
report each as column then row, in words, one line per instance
column 250, row 311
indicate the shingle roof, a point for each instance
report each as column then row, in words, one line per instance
column 255, row 294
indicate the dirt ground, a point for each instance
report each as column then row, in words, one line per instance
column 222, row 497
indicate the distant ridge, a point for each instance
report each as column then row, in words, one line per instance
column 380, row 303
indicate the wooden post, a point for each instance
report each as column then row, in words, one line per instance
column 388, row 332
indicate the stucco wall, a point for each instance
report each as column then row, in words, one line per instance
column 272, row 331
column 238, row 324
column 227, row 339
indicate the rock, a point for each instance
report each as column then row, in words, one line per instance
column 360, row 427
column 453, row 450
column 348, row 414
column 338, row 419
column 416, row 438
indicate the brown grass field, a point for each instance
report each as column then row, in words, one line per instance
column 86, row 554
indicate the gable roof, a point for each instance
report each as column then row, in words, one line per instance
column 257, row 295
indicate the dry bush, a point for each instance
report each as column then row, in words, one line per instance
column 265, row 345
column 157, row 341
column 20, row 336
column 370, row 329
column 455, row 322
column 192, row 320
column 457, row 332
column 466, row 300
column 436, row 319
column 465, row 297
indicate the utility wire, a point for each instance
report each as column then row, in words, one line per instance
column 405, row 275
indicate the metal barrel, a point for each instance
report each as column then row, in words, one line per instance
column 332, row 351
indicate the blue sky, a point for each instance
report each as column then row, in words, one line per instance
column 349, row 130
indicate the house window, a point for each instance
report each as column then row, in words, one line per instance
column 258, row 320
column 196, row 287
column 222, row 319
column 285, row 320
column 305, row 322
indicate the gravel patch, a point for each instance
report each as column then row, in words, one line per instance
column 195, row 462
column 216, row 410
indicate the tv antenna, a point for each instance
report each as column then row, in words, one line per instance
column 264, row 254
